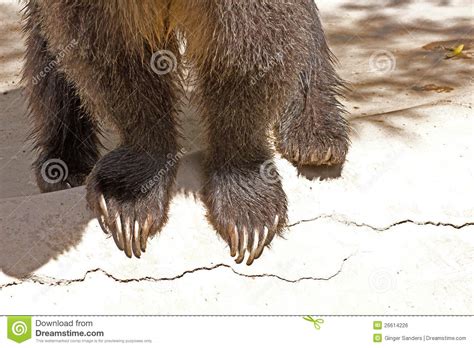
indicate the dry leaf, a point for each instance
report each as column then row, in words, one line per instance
column 455, row 52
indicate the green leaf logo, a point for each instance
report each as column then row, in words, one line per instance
column 19, row 328
column 316, row 322
column 377, row 325
column 377, row 338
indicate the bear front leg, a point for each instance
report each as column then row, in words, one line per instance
column 65, row 135
column 243, row 193
column 312, row 130
column 129, row 189
column 128, row 79
column 248, row 56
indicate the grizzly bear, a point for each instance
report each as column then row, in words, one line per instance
column 257, row 67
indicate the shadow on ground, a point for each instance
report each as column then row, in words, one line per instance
column 60, row 220
column 396, row 59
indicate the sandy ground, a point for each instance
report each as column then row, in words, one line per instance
column 392, row 233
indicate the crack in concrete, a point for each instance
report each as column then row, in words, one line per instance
column 433, row 103
column 66, row 282
column 382, row 229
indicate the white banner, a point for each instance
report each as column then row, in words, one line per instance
column 238, row 331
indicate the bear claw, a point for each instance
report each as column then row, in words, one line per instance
column 239, row 243
column 129, row 237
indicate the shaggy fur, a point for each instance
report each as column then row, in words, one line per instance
column 257, row 65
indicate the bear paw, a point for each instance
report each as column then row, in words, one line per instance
column 247, row 207
column 129, row 192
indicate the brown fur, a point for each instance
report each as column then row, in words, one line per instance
column 257, row 65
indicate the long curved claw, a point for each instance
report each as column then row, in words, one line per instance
column 297, row 155
column 103, row 225
column 103, row 207
column 261, row 243
column 144, row 234
column 275, row 222
column 117, row 232
column 328, row 156
column 253, row 250
column 104, row 215
column 234, row 241
column 136, row 240
column 127, row 235
column 243, row 246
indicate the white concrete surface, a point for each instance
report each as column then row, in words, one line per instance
column 393, row 234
